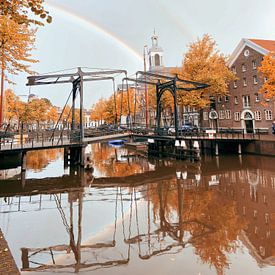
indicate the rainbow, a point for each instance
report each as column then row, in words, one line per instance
column 90, row 24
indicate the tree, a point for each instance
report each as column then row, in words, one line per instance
column 268, row 70
column 16, row 42
column 12, row 103
column 204, row 63
column 18, row 11
column 98, row 110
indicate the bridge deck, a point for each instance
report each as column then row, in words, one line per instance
column 56, row 143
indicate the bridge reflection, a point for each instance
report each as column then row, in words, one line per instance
column 209, row 206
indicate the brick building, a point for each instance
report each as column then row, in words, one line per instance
column 244, row 107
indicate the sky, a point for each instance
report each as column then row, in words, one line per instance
column 112, row 34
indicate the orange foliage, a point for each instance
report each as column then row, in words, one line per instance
column 268, row 70
column 210, row 218
column 107, row 161
column 38, row 160
column 204, row 63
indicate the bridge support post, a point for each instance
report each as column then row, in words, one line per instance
column 23, row 169
column 239, row 149
column 66, row 158
column 82, row 156
column 216, row 149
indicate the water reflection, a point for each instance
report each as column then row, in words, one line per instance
column 39, row 160
column 130, row 210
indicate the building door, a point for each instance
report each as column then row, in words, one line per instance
column 248, row 121
column 249, row 126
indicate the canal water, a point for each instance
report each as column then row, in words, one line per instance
column 127, row 214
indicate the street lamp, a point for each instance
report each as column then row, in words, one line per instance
column 145, row 47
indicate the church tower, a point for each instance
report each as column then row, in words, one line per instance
column 155, row 55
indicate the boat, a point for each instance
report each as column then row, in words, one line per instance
column 117, row 142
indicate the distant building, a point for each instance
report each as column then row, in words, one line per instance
column 244, row 107
column 154, row 63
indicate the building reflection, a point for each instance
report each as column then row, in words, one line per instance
column 161, row 207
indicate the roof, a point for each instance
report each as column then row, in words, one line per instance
column 261, row 46
column 266, row 44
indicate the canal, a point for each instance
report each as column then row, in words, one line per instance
column 129, row 214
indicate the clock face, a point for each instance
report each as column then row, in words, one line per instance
column 246, row 53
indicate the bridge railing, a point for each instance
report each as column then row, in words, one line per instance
column 37, row 142
column 197, row 133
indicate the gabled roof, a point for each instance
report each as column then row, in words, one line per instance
column 259, row 45
column 266, row 44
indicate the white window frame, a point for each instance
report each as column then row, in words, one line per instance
column 235, row 84
column 257, row 98
column 244, row 82
column 227, row 114
column 246, row 101
column 268, row 114
column 255, row 79
column 237, row 116
column 226, row 98
column 258, row 115
column 221, row 114
column 236, row 100
column 243, row 67
column 254, row 64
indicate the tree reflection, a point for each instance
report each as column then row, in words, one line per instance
column 206, row 215
column 38, row 160
column 111, row 163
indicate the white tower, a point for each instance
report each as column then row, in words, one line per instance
column 155, row 55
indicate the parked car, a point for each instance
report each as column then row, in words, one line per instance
column 171, row 131
column 185, row 128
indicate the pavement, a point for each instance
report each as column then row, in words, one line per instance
column 7, row 263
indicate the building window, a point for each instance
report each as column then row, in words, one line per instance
column 237, row 116
column 236, row 100
column 157, row 60
column 219, row 99
column 268, row 114
column 257, row 98
column 258, row 115
column 235, row 84
column 244, row 81
column 227, row 114
column 255, row 79
column 254, row 64
column 234, row 69
column 221, row 114
column 243, row 67
column 246, row 101
column 226, row 98
column 205, row 116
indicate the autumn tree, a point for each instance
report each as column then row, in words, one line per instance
column 12, row 104
column 98, row 110
column 268, row 70
column 16, row 43
column 19, row 11
column 204, row 63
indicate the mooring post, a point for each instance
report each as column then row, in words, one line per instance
column 216, row 149
column 239, row 149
